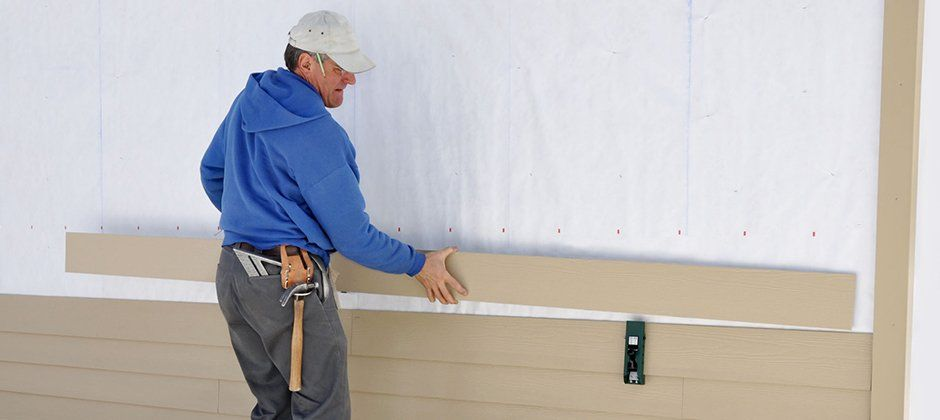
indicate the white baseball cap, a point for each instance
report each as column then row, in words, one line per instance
column 328, row 32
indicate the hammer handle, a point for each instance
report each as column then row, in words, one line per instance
column 296, row 345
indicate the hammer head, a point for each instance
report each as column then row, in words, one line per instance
column 302, row 289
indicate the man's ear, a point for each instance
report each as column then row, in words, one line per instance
column 305, row 61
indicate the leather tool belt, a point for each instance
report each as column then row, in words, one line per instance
column 297, row 267
column 302, row 267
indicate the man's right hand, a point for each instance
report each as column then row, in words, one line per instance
column 435, row 278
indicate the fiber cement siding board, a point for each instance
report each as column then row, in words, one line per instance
column 161, row 257
column 722, row 293
column 119, row 319
column 40, row 407
column 474, row 386
column 368, row 406
column 548, row 388
column 812, row 358
column 749, row 295
column 714, row 400
column 141, row 320
column 826, row 359
column 187, row 360
column 118, row 387
column 236, row 399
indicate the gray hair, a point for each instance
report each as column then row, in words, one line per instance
column 292, row 56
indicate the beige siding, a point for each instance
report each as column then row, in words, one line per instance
column 17, row 406
column 209, row 362
column 368, row 406
column 142, row 256
column 110, row 358
column 111, row 386
column 549, row 388
column 140, row 320
column 236, row 399
column 726, row 293
column 745, row 401
column 826, row 359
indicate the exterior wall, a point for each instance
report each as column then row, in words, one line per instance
column 131, row 359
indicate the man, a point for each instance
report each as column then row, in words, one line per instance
column 283, row 172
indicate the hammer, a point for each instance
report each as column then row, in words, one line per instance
column 297, row 335
column 299, row 278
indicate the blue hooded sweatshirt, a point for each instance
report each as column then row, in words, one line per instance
column 282, row 171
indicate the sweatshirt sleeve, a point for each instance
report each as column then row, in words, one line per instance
column 330, row 187
column 212, row 169
column 338, row 205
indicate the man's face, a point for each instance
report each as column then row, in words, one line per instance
column 331, row 85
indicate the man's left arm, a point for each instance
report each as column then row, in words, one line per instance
column 212, row 169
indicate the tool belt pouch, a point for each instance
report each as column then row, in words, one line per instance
column 296, row 266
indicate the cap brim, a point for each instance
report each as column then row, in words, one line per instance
column 353, row 62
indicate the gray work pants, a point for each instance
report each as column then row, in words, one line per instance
column 261, row 336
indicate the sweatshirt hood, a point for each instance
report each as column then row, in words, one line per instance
column 276, row 99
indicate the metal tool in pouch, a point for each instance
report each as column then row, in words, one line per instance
column 253, row 264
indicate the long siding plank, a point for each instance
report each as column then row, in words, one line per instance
column 18, row 406
column 825, row 359
column 547, row 388
column 207, row 362
column 120, row 319
column 722, row 293
column 368, row 406
column 163, row 257
column 118, row 387
column 811, row 358
column 713, row 400
column 736, row 294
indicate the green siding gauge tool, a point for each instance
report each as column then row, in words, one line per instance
column 634, row 342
